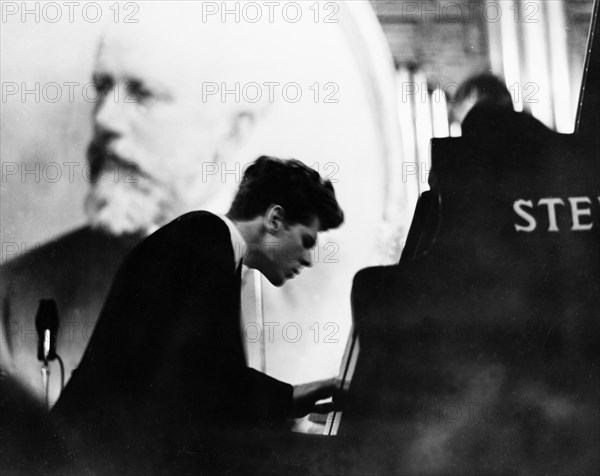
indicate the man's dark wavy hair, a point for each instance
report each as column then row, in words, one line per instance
column 300, row 190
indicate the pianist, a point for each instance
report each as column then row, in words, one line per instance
column 164, row 373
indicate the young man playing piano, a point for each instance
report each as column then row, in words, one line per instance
column 165, row 372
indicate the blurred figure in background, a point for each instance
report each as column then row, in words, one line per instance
column 486, row 89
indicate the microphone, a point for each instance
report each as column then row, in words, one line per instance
column 46, row 324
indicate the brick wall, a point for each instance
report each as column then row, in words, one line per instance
column 448, row 39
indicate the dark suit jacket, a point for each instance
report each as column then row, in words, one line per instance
column 165, row 364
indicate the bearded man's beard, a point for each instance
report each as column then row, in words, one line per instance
column 123, row 201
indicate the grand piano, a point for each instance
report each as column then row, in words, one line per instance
column 480, row 350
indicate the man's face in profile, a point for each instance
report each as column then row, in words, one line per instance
column 152, row 135
column 288, row 250
column 461, row 107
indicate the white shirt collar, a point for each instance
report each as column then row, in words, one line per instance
column 237, row 240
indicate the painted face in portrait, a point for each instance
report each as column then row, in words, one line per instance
column 158, row 145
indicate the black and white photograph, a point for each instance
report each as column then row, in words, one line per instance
column 352, row 237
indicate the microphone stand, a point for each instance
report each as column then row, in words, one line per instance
column 47, row 324
column 45, row 370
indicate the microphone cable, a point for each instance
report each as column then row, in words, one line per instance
column 62, row 372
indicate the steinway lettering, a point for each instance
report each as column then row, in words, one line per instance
column 579, row 209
